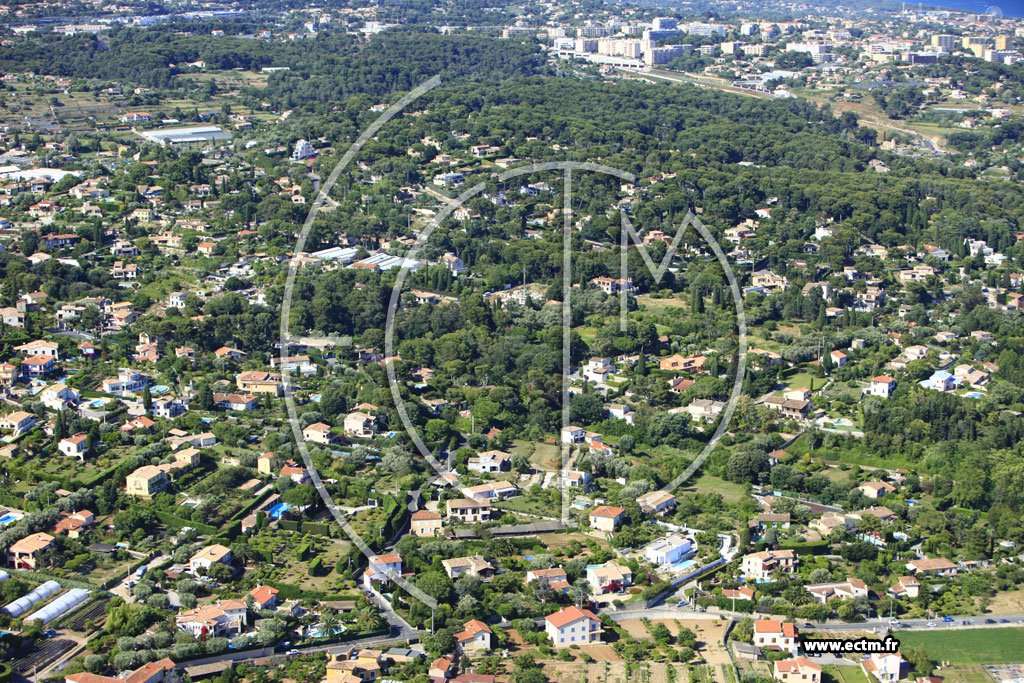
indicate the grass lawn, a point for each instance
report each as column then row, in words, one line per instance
column 837, row 475
column 706, row 483
column 969, row 646
column 531, row 505
column 546, row 456
column 804, row 380
column 965, row 674
column 845, row 674
column 650, row 302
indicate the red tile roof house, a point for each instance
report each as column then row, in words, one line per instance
column 153, row 672
column 23, row 553
column 738, row 593
column 606, row 518
column 799, row 669
column 556, row 578
column 74, row 446
column 773, row 634
column 573, row 626
column 293, row 471
column 381, row 569
column 442, row 667
column 74, row 525
column 264, row 597
column 475, row 636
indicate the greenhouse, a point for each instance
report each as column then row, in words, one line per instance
column 41, row 592
column 61, row 606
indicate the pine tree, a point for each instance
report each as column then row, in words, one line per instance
column 205, row 398
column 698, row 301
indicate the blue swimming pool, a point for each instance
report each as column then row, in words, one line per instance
column 7, row 519
column 278, row 510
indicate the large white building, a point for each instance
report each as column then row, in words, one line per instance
column 668, row 550
column 303, row 150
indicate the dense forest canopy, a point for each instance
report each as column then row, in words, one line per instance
column 326, row 68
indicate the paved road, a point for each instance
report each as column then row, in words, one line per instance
column 81, row 336
column 670, row 611
column 399, row 626
column 880, row 625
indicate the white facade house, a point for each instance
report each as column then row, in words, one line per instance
column 128, row 381
column 882, row 386
column 475, row 636
column 668, row 550
column 772, row 634
column 598, row 370
column 883, row 667
column 303, row 150
column 573, row 435
column 209, row 556
column 654, row 502
column 797, row 670
column 573, row 626
column 381, row 569
column 74, row 446
column 490, row 461
column 57, row 396
column 759, row 566
column 223, row 618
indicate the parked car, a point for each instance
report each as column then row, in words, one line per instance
column 948, row 620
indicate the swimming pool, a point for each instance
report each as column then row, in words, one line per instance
column 974, row 394
column 315, row 631
column 160, row 389
column 278, row 510
column 8, row 518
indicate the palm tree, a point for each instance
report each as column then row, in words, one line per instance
column 243, row 552
column 370, row 620
column 328, row 623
